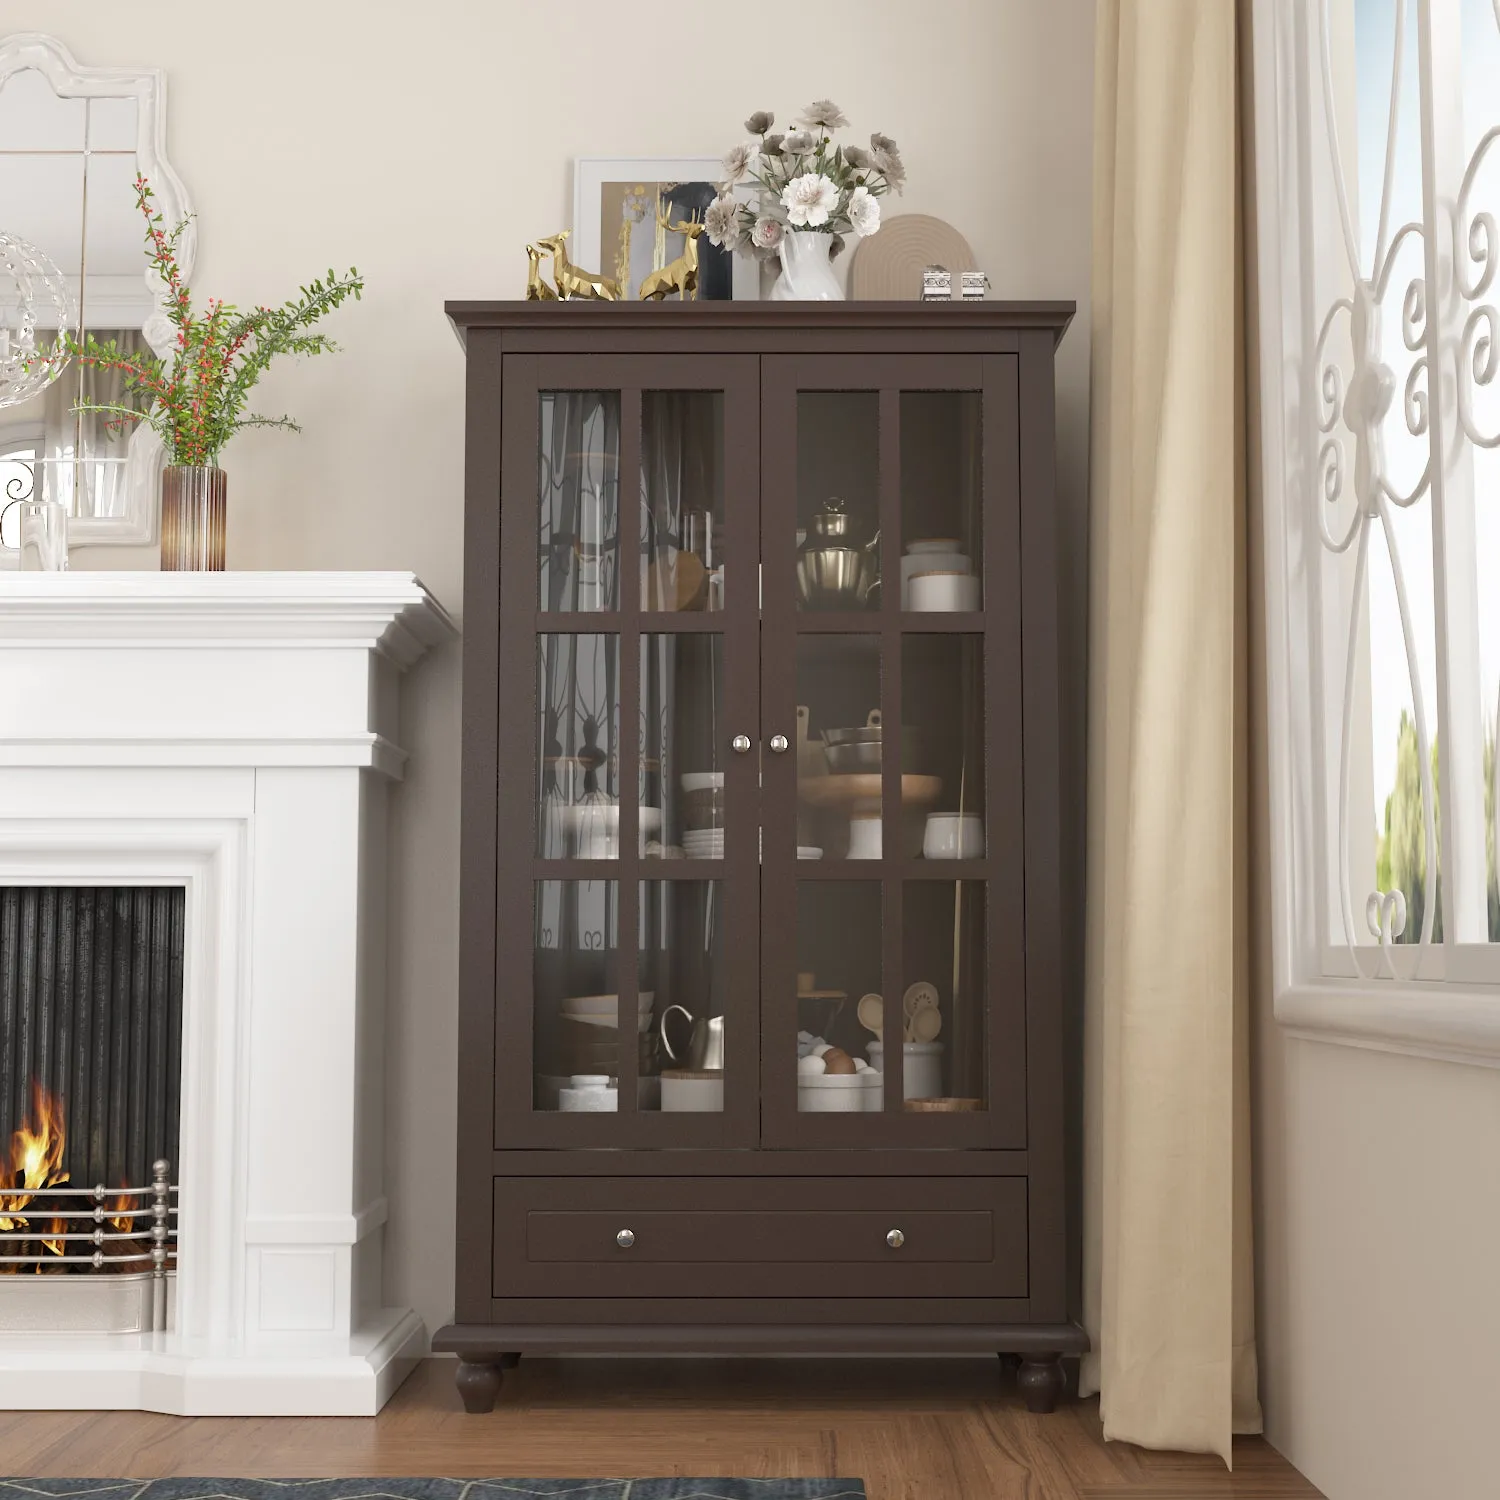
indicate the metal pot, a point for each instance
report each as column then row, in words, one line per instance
column 705, row 1047
column 832, row 572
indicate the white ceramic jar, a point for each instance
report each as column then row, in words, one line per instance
column 922, row 1064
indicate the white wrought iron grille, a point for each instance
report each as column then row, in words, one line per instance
column 1397, row 111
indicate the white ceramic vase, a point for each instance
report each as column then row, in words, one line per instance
column 806, row 269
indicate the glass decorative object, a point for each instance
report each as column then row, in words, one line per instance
column 33, row 294
column 44, row 537
column 193, row 515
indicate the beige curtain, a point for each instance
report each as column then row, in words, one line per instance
column 1167, row 1255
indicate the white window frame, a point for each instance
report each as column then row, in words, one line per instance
column 1436, row 1000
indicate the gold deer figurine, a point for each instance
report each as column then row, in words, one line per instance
column 680, row 275
column 574, row 281
column 537, row 290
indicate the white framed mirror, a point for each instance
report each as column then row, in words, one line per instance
column 72, row 141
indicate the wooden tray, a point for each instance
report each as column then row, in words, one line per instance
column 864, row 786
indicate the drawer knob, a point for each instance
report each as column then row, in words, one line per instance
column 740, row 744
column 895, row 1239
column 625, row 1238
column 780, row 744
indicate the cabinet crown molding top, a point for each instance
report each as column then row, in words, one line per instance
column 389, row 612
column 767, row 317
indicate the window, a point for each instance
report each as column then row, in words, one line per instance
column 1377, row 128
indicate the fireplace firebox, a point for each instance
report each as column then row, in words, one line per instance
column 91, row 985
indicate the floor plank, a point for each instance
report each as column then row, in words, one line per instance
column 912, row 1429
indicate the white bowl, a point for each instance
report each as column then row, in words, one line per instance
column 930, row 544
column 838, row 1093
column 702, row 781
column 604, row 818
column 809, row 851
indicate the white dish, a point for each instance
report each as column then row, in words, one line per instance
column 606, row 1005
column 702, row 781
column 809, row 851
column 953, row 836
column 642, row 1021
column 927, row 545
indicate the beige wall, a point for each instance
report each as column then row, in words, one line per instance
column 425, row 144
column 1380, row 1299
column 1377, row 1223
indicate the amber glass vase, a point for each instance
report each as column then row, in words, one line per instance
column 192, row 518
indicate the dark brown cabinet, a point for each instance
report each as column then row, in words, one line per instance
column 761, row 772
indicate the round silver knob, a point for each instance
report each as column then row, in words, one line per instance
column 740, row 744
column 779, row 743
column 625, row 1238
column 895, row 1239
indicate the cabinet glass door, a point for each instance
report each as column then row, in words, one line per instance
column 892, row 978
column 627, row 669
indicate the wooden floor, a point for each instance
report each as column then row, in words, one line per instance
column 913, row 1430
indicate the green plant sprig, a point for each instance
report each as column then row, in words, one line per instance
column 196, row 400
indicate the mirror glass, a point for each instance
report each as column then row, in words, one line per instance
column 66, row 171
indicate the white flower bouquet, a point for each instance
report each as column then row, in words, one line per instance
column 805, row 183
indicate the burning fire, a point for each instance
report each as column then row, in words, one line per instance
column 36, row 1153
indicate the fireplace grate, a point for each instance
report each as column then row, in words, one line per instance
column 126, row 1234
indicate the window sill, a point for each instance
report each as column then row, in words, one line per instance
column 1443, row 1022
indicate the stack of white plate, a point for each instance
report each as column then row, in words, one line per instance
column 704, row 843
column 604, row 1010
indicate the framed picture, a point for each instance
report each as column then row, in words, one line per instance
column 623, row 210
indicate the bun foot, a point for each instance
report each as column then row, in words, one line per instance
column 1041, row 1381
column 479, row 1385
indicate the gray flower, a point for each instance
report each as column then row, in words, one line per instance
column 824, row 113
column 799, row 143
column 722, row 222
column 760, row 122
column 887, row 160
column 836, row 249
column 740, row 161
column 858, row 158
column 772, row 145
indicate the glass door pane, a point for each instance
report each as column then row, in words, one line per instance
column 838, row 500
column 838, row 962
column 576, row 1036
column 684, row 1000
column 942, row 518
column 942, row 712
column 683, row 530
column 943, row 1010
column 578, row 746
column 578, row 499
column 684, row 741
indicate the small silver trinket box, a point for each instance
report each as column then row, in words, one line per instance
column 974, row 284
column 937, row 284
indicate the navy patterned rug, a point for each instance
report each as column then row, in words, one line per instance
column 432, row 1489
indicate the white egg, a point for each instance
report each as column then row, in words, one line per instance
column 820, row 1048
column 861, row 1066
column 806, row 1036
column 810, row 1067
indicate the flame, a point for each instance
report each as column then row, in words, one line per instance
column 35, row 1164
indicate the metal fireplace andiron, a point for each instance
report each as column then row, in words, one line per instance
column 82, row 1278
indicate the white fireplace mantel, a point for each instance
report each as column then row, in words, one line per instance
column 237, row 734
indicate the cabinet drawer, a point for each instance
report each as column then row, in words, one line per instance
column 817, row 1237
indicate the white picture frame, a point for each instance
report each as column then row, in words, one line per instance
column 591, row 176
